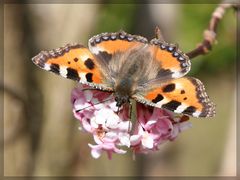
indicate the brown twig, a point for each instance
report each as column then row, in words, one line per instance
column 210, row 33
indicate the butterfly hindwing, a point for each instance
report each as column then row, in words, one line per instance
column 184, row 95
column 72, row 61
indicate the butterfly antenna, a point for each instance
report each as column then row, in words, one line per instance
column 130, row 110
column 95, row 104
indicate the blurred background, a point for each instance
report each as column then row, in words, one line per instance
column 41, row 136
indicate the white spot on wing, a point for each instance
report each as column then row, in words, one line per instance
column 84, row 57
column 63, row 71
column 180, row 108
column 196, row 114
column 95, row 49
column 179, row 86
column 83, row 77
column 177, row 74
column 47, row 67
column 162, row 102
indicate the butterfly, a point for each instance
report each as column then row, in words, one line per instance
column 131, row 67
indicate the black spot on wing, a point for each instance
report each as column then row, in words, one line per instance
column 89, row 64
column 89, row 77
column 75, row 59
column 169, row 88
column 182, row 92
column 190, row 110
column 172, row 105
column 72, row 74
column 158, row 98
column 54, row 68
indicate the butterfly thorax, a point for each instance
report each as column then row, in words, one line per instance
column 134, row 71
column 123, row 91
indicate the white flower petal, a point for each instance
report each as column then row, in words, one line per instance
column 135, row 139
column 150, row 122
column 100, row 120
column 147, row 141
column 87, row 127
column 101, row 116
column 97, row 139
column 93, row 122
column 99, row 106
column 113, row 106
column 96, row 153
column 112, row 121
column 125, row 139
column 107, row 117
column 96, row 150
column 140, row 129
column 125, row 125
column 120, row 151
column 111, row 135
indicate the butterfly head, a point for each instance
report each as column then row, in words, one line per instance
column 121, row 100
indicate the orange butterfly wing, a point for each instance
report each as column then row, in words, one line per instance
column 184, row 95
column 74, row 62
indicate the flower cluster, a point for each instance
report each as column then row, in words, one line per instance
column 112, row 129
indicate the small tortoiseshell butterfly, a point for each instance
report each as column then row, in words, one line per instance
column 131, row 67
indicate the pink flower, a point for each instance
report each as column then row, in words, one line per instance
column 112, row 130
column 109, row 129
column 154, row 127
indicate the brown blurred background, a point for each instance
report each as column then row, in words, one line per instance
column 41, row 136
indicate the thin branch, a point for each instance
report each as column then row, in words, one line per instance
column 209, row 34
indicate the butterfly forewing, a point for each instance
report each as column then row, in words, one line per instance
column 174, row 63
column 107, row 44
column 72, row 61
